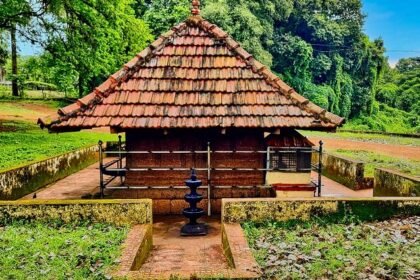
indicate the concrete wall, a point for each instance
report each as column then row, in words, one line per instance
column 392, row 183
column 117, row 212
column 343, row 170
column 171, row 201
column 260, row 210
column 277, row 177
column 17, row 182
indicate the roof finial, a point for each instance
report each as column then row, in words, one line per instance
column 195, row 7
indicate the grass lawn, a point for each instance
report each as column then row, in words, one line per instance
column 24, row 142
column 314, row 250
column 376, row 138
column 28, row 109
column 6, row 92
column 41, row 251
column 374, row 160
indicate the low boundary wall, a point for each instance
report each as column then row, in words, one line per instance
column 393, row 183
column 346, row 171
column 116, row 212
column 262, row 210
column 20, row 181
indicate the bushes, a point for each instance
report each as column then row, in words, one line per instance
column 386, row 119
column 39, row 85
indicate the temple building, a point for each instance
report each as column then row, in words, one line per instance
column 196, row 99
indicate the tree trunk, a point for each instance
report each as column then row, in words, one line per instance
column 80, row 86
column 15, row 90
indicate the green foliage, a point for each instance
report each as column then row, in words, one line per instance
column 294, row 57
column 48, row 251
column 39, row 85
column 249, row 22
column 316, row 46
column 16, row 12
column 387, row 93
column 408, row 98
column 400, row 87
column 162, row 15
column 387, row 119
column 84, row 41
column 408, row 64
column 320, row 95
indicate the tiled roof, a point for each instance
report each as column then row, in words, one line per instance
column 288, row 138
column 194, row 76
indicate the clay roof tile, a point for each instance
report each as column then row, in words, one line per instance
column 194, row 75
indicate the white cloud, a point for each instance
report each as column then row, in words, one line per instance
column 393, row 62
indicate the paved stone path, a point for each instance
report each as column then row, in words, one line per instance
column 332, row 188
column 86, row 182
column 82, row 183
column 184, row 256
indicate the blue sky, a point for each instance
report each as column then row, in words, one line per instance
column 396, row 21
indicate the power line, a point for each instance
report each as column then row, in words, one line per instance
column 344, row 47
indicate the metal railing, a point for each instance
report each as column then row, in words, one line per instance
column 115, row 168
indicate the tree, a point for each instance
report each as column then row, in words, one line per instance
column 13, row 44
column 312, row 45
column 90, row 39
column 252, row 23
column 15, row 14
column 408, row 64
column 4, row 53
column 408, row 98
column 161, row 15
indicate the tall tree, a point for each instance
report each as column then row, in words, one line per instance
column 15, row 89
column 316, row 46
column 16, row 13
column 89, row 39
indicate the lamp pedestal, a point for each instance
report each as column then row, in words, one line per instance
column 192, row 228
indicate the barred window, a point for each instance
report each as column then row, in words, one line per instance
column 291, row 160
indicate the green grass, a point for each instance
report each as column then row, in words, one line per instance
column 6, row 92
column 24, row 142
column 19, row 108
column 375, row 138
column 41, row 251
column 374, row 160
column 323, row 250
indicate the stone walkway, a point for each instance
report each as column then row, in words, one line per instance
column 201, row 255
column 78, row 185
column 86, row 182
column 332, row 188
